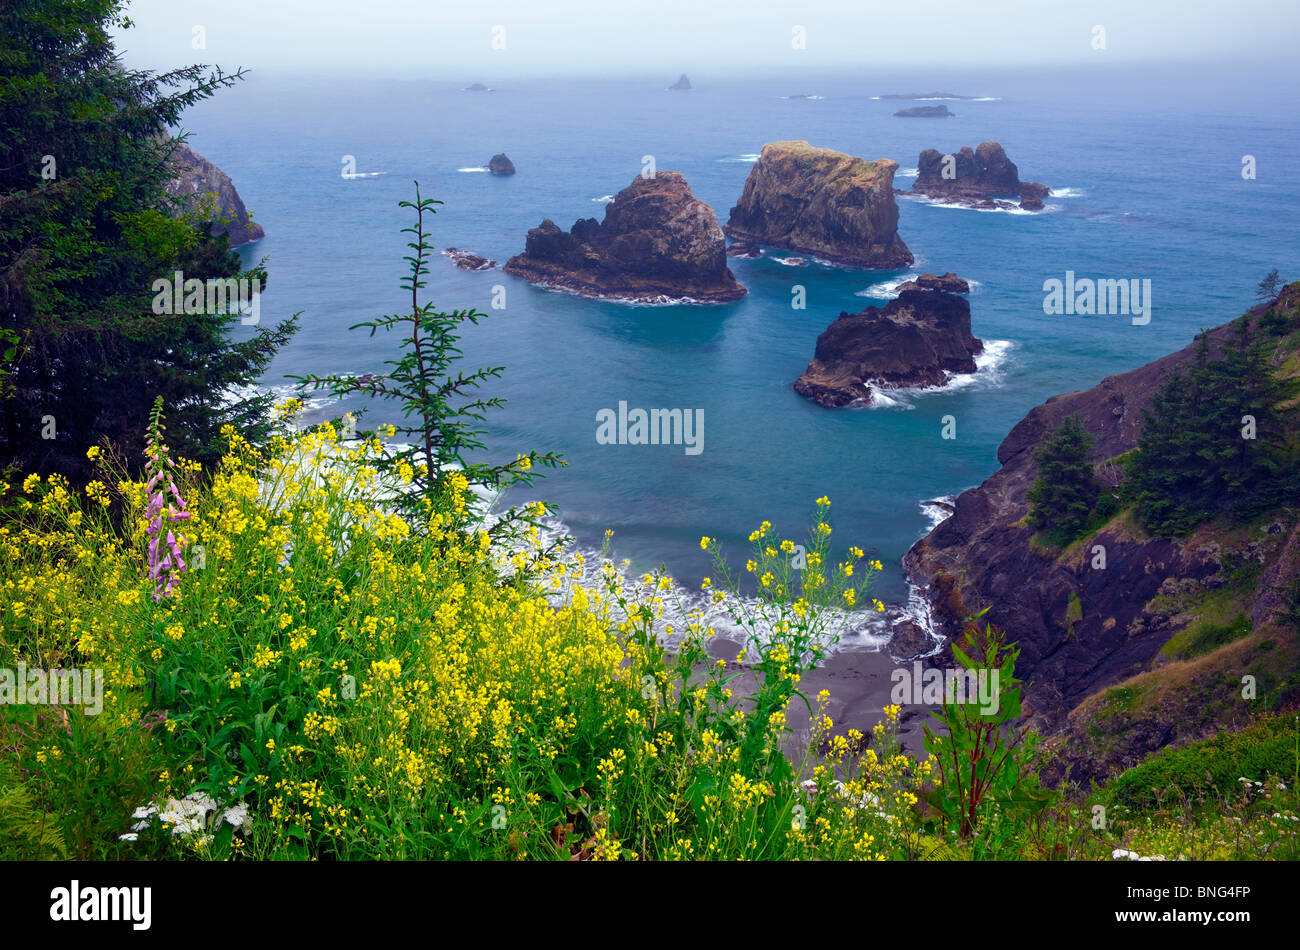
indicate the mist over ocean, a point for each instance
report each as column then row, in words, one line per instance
column 1147, row 168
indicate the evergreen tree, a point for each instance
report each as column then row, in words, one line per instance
column 1214, row 438
column 1062, row 499
column 86, row 226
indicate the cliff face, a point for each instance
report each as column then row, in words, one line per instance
column 657, row 241
column 824, row 203
column 1082, row 627
column 977, row 177
column 917, row 339
column 196, row 175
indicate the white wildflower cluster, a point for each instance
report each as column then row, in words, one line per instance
column 196, row 813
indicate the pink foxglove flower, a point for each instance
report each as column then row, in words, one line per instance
column 166, row 507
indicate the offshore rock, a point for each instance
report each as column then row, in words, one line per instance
column 823, row 203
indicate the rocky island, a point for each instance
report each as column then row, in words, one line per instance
column 824, row 203
column 500, row 165
column 917, row 340
column 976, row 177
column 467, row 261
column 658, row 243
column 682, row 83
column 926, row 95
column 195, row 175
column 925, row 112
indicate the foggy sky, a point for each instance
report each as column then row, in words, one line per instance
column 437, row 39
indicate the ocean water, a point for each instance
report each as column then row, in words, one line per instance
column 1148, row 175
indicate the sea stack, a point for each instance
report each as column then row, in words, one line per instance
column 657, row 244
column 682, row 83
column 976, row 178
column 925, row 112
column 823, row 203
column 500, row 165
column 917, row 340
column 195, row 175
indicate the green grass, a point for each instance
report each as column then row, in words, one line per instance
column 1212, row 767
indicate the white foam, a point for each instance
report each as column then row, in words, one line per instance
column 935, row 511
column 475, row 168
column 1067, row 192
column 889, row 289
column 604, row 199
column 311, row 401
column 946, row 203
column 907, row 173
column 748, row 158
column 886, row 289
column 661, row 300
column 349, row 176
column 989, row 365
column 862, row 629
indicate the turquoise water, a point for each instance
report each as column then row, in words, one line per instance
column 1152, row 170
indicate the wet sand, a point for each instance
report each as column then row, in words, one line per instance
column 859, row 685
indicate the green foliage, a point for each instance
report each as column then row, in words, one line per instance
column 1270, row 286
column 1204, row 636
column 440, row 402
column 1199, row 455
column 86, row 226
column 1062, row 499
column 1213, row 767
column 983, row 758
column 27, row 833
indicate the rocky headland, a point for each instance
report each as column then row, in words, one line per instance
column 981, row 178
column 917, row 340
column 1106, row 676
column 658, row 243
column 196, row 176
column 823, row 203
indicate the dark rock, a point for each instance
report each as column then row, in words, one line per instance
column 949, row 282
column 909, row 640
column 821, row 202
column 682, row 83
column 925, row 112
column 196, row 176
column 467, row 261
column 1032, row 194
column 744, row 249
column 918, row 339
column 477, row 87
column 979, row 177
column 657, row 241
column 500, row 165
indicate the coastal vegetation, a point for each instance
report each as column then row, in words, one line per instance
column 325, row 641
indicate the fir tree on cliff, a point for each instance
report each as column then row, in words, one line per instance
column 1062, row 499
column 1215, row 439
column 86, row 227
